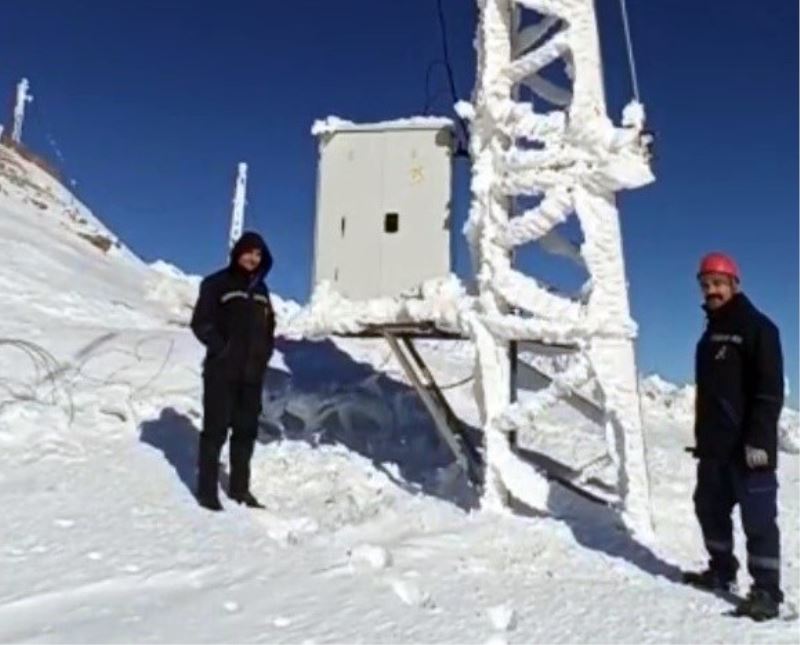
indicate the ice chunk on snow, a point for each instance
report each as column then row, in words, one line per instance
column 411, row 594
column 375, row 556
column 503, row 617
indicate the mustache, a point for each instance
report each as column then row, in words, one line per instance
column 712, row 298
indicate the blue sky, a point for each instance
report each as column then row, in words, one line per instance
column 153, row 103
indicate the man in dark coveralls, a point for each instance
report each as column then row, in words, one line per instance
column 234, row 319
column 739, row 377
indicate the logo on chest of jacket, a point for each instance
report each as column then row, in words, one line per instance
column 722, row 352
column 736, row 339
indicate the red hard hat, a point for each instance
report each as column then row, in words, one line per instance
column 718, row 263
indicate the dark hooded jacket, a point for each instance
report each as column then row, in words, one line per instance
column 234, row 317
column 739, row 376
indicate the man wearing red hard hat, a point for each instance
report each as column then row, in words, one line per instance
column 739, row 377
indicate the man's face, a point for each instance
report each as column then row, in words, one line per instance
column 717, row 289
column 250, row 260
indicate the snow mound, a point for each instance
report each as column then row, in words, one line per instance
column 173, row 289
column 676, row 402
column 171, row 271
column 334, row 124
column 658, row 394
column 789, row 432
column 177, row 292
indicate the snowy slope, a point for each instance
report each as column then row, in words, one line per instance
column 368, row 535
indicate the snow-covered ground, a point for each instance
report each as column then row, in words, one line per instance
column 368, row 535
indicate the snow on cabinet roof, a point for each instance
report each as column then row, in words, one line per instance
column 334, row 124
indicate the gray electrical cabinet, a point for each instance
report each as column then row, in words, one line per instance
column 383, row 206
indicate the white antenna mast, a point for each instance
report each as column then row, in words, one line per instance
column 239, row 203
column 19, row 109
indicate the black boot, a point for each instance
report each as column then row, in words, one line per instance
column 710, row 580
column 241, row 451
column 759, row 605
column 211, row 502
column 247, row 498
column 208, row 476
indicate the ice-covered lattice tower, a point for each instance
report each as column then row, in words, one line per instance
column 573, row 159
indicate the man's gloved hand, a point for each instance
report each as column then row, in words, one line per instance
column 755, row 457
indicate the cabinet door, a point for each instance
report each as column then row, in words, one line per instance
column 414, row 223
column 350, row 192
